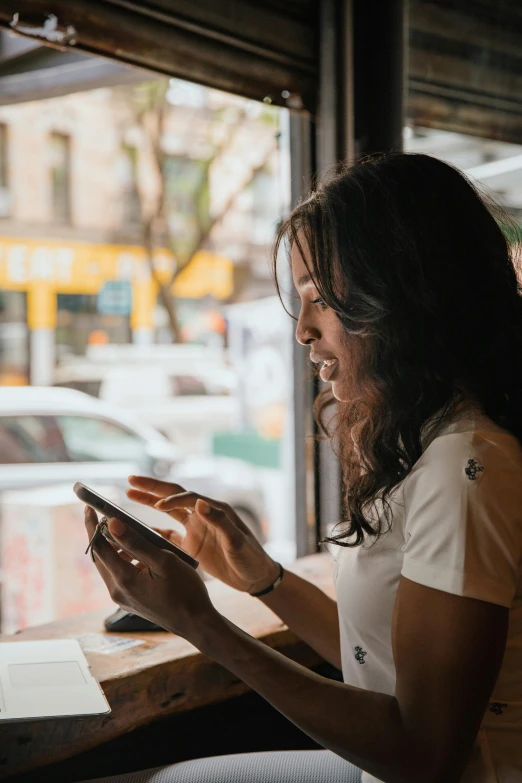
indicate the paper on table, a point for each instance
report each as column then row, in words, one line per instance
column 101, row 643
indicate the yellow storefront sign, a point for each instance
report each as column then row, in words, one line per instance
column 207, row 274
column 44, row 268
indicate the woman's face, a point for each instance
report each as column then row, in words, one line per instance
column 319, row 327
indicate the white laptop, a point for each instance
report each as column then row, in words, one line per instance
column 47, row 679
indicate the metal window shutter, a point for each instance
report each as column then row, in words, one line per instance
column 256, row 48
column 465, row 56
column 465, row 67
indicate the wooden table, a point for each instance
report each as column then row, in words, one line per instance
column 162, row 675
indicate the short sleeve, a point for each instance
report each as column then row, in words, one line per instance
column 463, row 517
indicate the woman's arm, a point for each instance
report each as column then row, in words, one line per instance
column 309, row 613
column 229, row 551
column 448, row 651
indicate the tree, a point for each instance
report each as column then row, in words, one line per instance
column 149, row 110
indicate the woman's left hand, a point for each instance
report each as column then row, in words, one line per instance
column 160, row 587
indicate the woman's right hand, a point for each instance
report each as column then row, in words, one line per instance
column 214, row 534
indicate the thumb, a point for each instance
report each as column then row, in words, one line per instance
column 218, row 519
column 135, row 544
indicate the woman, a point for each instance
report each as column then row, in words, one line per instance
column 410, row 303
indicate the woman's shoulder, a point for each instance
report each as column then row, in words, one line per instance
column 469, row 429
column 463, row 455
column 485, row 436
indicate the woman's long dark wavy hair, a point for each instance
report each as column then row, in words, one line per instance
column 420, row 269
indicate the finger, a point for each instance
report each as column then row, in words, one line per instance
column 160, row 488
column 121, row 553
column 91, row 520
column 130, row 559
column 106, row 574
column 147, row 499
column 136, row 545
column 100, row 551
column 183, row 500
column 138, row 496
column 170, row 535
column 108, row 559
column 220, row 520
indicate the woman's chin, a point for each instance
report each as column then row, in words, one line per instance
column 339, row 391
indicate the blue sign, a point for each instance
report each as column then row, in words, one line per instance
column 115, row 298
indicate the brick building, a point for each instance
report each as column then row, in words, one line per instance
column 76, row 174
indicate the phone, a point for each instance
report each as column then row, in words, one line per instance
column 108, row 509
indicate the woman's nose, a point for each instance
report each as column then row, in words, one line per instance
column 304, row 333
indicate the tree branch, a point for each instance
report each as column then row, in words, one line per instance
column 206, row 232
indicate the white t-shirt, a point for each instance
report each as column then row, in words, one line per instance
column 456, row 527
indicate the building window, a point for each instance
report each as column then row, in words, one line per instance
column 81, row 322
column 5, row 200
column 186, row 201
column 14, row 339
column 61, row 177
column 128, row 175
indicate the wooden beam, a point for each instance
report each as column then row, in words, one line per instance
column 133, row 33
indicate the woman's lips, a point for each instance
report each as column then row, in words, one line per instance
column 328, row 369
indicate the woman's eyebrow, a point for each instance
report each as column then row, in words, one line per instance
column 303, row 280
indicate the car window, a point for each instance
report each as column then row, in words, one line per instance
column 187, row 386
column 29, row 439
column 88, row 387
column 89, row 439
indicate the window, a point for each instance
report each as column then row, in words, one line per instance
column 80, row 321
column 87, row 387
column 187, row 386
column 187, row 200
column 5, row 196
column 83, row 167
column 98, row 440
column 265, row 209
column 61, row 177
column 14, row 339
column 128, row 173
column 30, row 439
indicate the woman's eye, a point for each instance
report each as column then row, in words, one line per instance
column 320, row 302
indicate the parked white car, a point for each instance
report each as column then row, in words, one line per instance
column 185, row 394
column 51, row 436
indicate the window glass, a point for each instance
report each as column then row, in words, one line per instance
column 87, row 387
column 5, row 196
column 128, row 178
column 154, row 294
column 60, row 148
column 81, row 320
column 187, row 386
column 187, row 200
column 29, row 439
column 98, row 440
column 14, row 339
